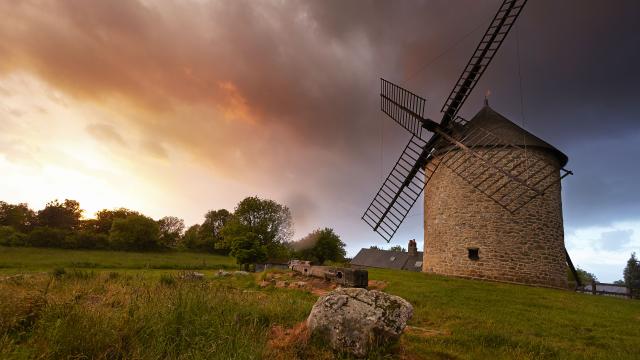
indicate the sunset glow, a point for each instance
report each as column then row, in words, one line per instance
column 177, row 108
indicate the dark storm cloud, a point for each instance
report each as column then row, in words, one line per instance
column 290, row 88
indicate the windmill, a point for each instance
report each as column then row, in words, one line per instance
column 505, row 171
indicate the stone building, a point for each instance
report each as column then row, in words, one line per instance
column 467, row 234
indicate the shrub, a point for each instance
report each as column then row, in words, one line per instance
column 47, row 237
column 11, row 237
column 135, row 232
column 88, row 240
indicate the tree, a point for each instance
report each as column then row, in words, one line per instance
column 397, row 248
column 585, row 276
column 266, row 223
column 19, row 216
column 171, row 229
column 631, row 273
column 59, row 215
column 245, row 245
column 263, row 224
column 270, row 221
column 135, row 232
column 190, row 239
column 210, row 232
column 321, row 245
column 104, row 219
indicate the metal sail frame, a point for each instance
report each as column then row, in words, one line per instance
column 497, row 171
column 407, row 109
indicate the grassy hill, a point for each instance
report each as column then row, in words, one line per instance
column 137, row 312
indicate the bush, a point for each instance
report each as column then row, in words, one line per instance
column 47, row 237
column 135, row 232
column 11, row 237
column 87, row 240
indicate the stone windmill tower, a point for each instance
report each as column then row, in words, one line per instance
column 492, row 190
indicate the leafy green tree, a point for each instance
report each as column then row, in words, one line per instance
column 135, row 232
column 261, row 222
column 245, row 245
column 585, row 277
column 190, row 240
column 631, row 274
column 270, row 221
column 105, row 217
column 59, row 215
column 171, row 229
column 397, row 248
column 321, row 245
column 210, row 232
column 19, row 216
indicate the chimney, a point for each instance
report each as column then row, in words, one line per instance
column 412, row 249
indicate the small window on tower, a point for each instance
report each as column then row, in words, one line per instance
column 474, row 253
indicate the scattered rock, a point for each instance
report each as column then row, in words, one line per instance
column 191, row 275
column 355, row 320
column 301, row 284
column 222, row 273
column 282, row 284
column 264, row 284
column 242, row 273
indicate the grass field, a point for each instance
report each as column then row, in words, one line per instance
column 108, row 312
column 15, row 259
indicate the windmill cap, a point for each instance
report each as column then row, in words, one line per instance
column 503, row 128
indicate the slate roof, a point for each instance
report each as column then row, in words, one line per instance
column 388, row 259
column 490, row 120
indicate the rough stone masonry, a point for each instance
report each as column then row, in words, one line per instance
column 467, row 234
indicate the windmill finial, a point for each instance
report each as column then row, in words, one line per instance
column 486, row 98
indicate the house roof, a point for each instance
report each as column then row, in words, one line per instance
column 388, row 259
column 503, row 128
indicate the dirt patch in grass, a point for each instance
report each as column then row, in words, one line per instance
column 281, row 338
column 377, row 285
column 424, row 332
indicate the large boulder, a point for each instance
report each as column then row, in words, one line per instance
column 355, row 320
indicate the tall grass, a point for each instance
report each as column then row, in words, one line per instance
column 135, row 317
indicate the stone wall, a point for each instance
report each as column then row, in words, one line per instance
column 525, row 247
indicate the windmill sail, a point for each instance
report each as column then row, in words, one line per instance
column 417, row 163
column 403, row 106
column 400, row 190
column 482, row 56
column 508, row 174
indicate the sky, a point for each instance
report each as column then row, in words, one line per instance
column 180, row 107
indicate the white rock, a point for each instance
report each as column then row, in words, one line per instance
column 354, row 320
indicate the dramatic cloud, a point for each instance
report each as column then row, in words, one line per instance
column 279, row 99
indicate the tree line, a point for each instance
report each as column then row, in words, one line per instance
column 258, row 230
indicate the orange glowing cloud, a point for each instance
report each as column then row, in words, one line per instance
column 234, row 105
